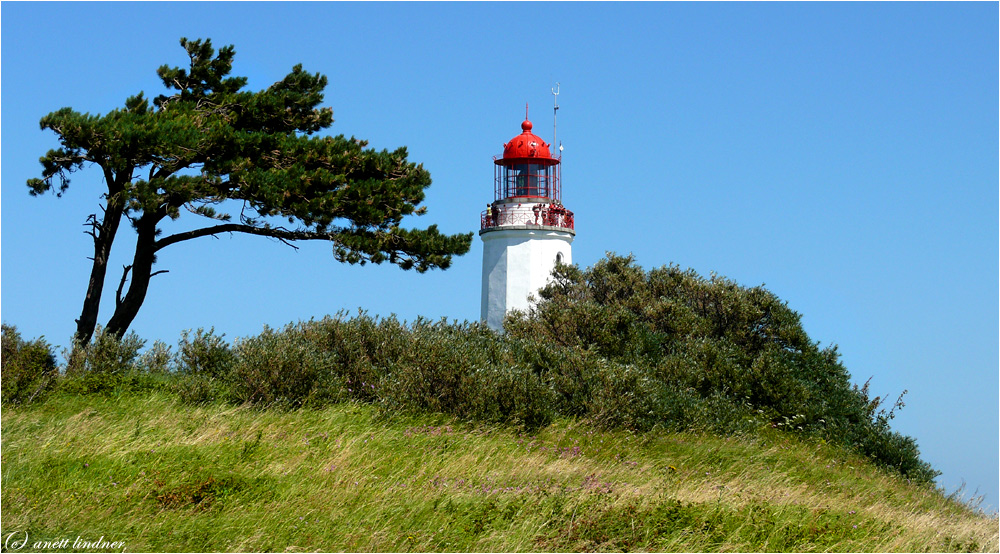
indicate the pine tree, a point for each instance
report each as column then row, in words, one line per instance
column 213, row 149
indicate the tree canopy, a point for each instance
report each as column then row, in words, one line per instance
column 247, row 162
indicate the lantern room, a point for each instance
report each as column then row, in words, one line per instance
column 527, row 169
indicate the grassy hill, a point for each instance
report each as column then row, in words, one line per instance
column 156, row 474
column 629, row 410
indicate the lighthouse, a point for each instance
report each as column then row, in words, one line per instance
column 526, row 230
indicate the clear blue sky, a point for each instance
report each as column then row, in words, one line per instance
column 844, row 155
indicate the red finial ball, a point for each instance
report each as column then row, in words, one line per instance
column 526, row 126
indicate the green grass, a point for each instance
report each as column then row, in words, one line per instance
column 159, row 475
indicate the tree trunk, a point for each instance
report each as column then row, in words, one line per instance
column 142, row 270
column 104, row 236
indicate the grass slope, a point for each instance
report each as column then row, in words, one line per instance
column 161, row 476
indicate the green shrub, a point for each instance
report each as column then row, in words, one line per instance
column 465, row 370
column 361, row 350
column 204, row 355
column 157, row 360
column 683, row 351
column 199, row 390
column 29, row 367
column 511, row 395
column 204, row 363
column 108, row 365
column 625, row 397
column 435, row 375
column 567, row 372
column 280, row 368
column 614, row 344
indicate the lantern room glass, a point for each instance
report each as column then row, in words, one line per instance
column 527, row 180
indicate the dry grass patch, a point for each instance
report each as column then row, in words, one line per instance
column 168, row 477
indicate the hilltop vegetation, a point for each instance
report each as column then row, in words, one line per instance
column 615, row 345
column 617, row 368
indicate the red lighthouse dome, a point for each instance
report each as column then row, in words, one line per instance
column 527, row 169
column 528, row 145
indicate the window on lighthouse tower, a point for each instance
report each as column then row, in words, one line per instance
column 527, row 180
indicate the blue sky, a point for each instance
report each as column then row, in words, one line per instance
column 844, row 155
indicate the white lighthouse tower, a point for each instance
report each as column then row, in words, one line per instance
column 526, row 229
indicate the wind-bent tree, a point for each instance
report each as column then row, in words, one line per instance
column 210, row 148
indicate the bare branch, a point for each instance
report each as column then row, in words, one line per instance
column 286, row 243
column 121, row 285
column 243, row 216
column 284, row 235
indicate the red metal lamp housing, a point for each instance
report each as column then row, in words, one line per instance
column 527, row 169
column 526, row 185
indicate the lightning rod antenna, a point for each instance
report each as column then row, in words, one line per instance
column 555, row 110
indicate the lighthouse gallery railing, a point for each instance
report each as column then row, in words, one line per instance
column 552, row 215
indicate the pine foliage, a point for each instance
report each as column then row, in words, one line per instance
column 247, row 162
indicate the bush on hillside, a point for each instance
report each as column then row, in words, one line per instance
column 280, row 368
column 204, row 363
column 677, row 343
column 363, row 350
column 613, row 344
column 465, row 370
column 468, row 371
column 108, row 365
column 204, row 354
column 28, row 367
column 157, row 360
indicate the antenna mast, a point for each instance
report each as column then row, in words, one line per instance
column 555, row 110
